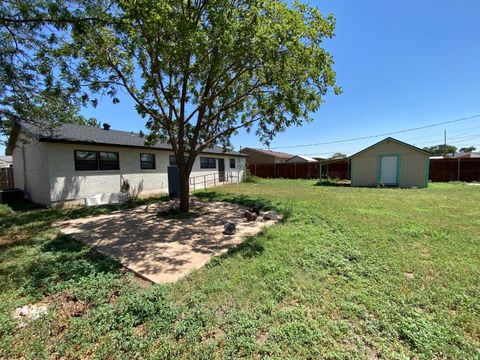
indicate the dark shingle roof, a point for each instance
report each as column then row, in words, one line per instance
column 70, row 133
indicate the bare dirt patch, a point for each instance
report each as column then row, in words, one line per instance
column 165, row 249
column 69, row 305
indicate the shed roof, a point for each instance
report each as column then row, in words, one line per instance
column 82, row 134
column 391, row 139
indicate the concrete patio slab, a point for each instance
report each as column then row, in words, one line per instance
column 159, row 249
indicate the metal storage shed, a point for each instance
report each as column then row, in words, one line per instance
column 390, row 162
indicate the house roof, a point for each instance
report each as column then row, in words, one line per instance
column 89, row 135
column 6, row 160
column 306, row 158
column 275, row 154
column 391, row 139
column 464, row 155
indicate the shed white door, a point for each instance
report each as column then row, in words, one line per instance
column 388, row 170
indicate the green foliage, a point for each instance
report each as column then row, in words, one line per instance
column 351, row 273
column 338, row 155
column 467, row 149
column 200, row 71
column 37, row 85
column 248, row 177
column 441, row 149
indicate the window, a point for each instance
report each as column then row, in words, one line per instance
column 147, row 161
column 96, row 160
column 108, row 160
column 208, row 163
column 173, row 160
column 85, row 160
column 232, row 164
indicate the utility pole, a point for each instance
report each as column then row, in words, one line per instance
column 445, row 143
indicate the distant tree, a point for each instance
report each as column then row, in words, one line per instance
column 338, row 155
column 440, row 149
column 468, row 149
column 198, row 71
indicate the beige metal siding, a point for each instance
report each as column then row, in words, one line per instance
column 413, row 165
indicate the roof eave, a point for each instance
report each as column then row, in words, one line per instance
column 64, row 141
column 390, row 138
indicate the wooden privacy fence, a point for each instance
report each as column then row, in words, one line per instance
column 286, row 170
column 335, row 169
column 442, row 170
column 6, row 178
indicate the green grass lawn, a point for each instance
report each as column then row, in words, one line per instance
column 350, row 273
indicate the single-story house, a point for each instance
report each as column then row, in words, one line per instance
column 301, row 159
column 464, row 155
column 259, row 156
column 390, row 162
column 6, row 161
column 76, row 165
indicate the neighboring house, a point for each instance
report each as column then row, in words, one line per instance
column 390, row 162
column 258, row 156
column 462, row 155
column 74, row 164
column 301, row 159
column 6, row 161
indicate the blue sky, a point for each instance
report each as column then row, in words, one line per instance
column 401, row 64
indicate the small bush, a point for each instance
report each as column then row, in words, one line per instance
column 249, row 178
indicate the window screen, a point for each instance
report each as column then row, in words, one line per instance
column 173, row 160
column 147, row 161
column 86, row 160
column 96, row 160
column 108, row 160
column 233, row 165
column 208, row 163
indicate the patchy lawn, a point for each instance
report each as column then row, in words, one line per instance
column 350, row 273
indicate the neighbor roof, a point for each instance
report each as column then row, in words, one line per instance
column 82, row 134
column 306, row 158
column 464, row 155
column 7, row 160
column 391, row 139
column 276, row 154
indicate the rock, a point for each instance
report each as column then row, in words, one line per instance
column 250, row 216
column 270, row 215
column 255, row 210
column 229, row 228
column 29, row 313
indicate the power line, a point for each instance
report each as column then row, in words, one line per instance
column 378, row 135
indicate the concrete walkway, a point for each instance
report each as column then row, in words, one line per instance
column 164, row 250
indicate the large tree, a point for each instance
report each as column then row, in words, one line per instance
column 198, row 71
column 33, row 86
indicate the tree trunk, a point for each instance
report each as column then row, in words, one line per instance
column 184, row 192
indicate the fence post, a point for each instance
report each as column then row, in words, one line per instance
column 458, row 170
